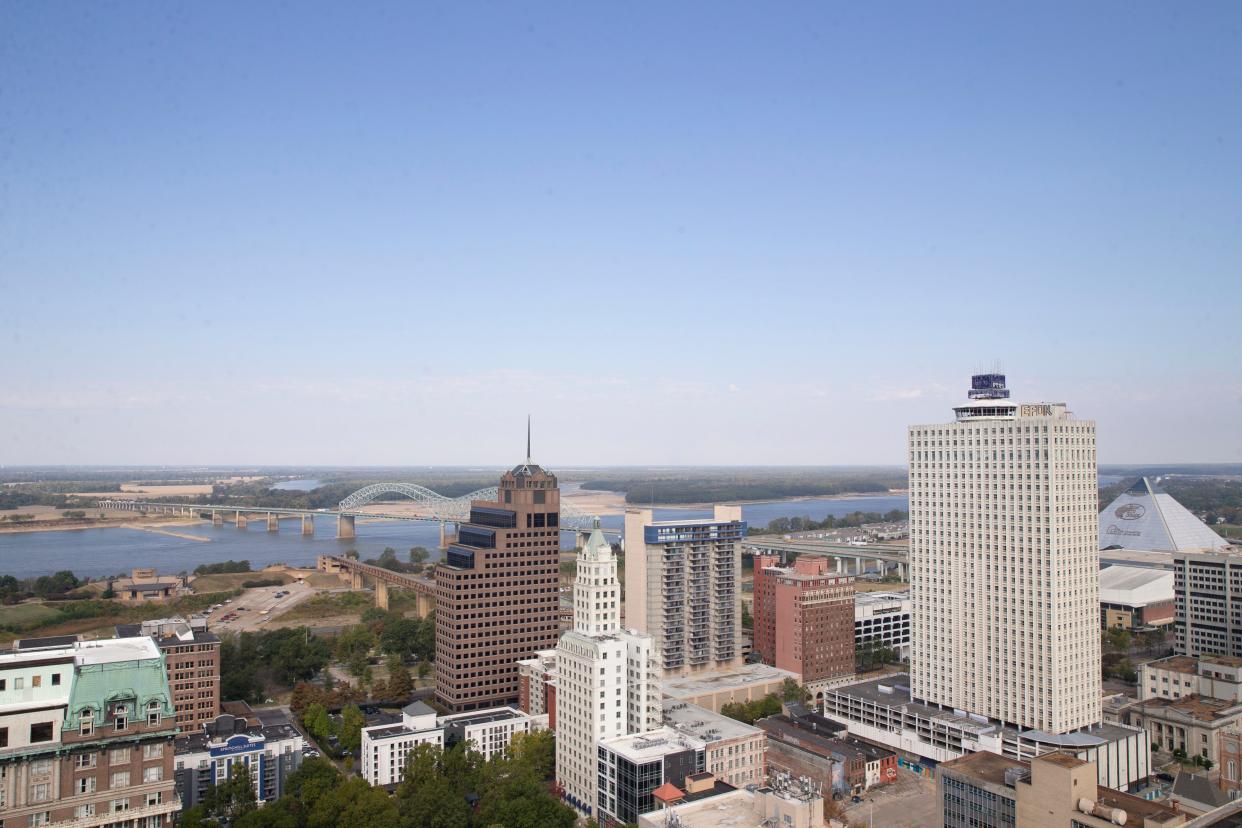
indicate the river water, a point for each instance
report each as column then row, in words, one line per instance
column 99, row 552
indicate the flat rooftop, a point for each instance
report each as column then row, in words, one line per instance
column 1197, row 707
column 103, row 651
column 720, row 680
column 1176, row 664
column 734, row 809
column 880, row 597
column 898, row 696
column 703, row 724
column 644, row 747
column 275, row 726
column 1064, row 760
column 983, row 766
column 497, row 714
column 807, row 736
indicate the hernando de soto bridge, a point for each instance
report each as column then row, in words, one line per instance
column 433, row 507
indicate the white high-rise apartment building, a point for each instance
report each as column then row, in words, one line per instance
column 1004, row 562
column 607, row 677
column 682, row 587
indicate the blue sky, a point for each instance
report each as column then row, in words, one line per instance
column 673, row 233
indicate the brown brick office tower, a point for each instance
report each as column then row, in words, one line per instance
column 497, row 591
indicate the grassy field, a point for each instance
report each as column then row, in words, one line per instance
column 87, row 616
column 234, row 580
column 333, row 605
column 26, row 615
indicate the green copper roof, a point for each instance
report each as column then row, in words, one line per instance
column 134, row 684
column 597, row 546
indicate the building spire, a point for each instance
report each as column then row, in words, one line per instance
column 528, row 439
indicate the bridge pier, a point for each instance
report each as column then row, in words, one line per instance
column 217, row 519
column 345, row 527
column 443, row 536
column 241, row 521
column 381, row 594
column 308, row 525
column 273, row 522
column 879, row 567
column 860, row 566
column 840, row 566
column 355, row 579
column 901, row 572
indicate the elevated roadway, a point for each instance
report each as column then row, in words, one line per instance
column 845, row 554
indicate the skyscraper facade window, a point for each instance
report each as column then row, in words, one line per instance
column 607, row 677
column 682, row 581
column 496, row 591
column 1004, row 562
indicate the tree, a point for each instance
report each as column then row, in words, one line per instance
column 748, row 621
column 400, row 685
column 526, row 804
column 228, row 800
column 354, row 802
column 536, row 751
column 419, row 554
column 108, row 593
column 355, row 641
column 352, row 722
column 792, row 691
column 426, row 795
column 317, row 722
column 400, row 635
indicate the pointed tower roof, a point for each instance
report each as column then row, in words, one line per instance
column 1145, row 517
column 597, row 547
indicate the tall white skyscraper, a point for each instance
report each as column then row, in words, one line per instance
column 607, row 677
column 1004, row 562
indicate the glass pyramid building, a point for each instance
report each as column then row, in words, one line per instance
column 1144, row 517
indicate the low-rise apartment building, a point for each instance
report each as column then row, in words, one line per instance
column 385, row 747
column 487, row 731
column 264, row 742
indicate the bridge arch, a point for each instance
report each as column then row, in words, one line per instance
column 373, row 492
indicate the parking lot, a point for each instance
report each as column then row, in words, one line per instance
column 255, row 607
column 910, row 802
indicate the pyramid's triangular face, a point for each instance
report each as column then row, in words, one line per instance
column 1144, row 517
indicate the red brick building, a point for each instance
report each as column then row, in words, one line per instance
column 804, row 619
column 496, row 592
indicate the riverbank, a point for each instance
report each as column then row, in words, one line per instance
column 121, row 520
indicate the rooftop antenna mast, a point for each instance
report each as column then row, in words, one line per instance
column 528, row 439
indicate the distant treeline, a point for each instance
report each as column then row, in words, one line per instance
column 20, row 497
column 707, row 490
column 784, row 525
column 56, row 585
column 222, row 568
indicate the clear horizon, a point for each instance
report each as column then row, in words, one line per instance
column 703, row 235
